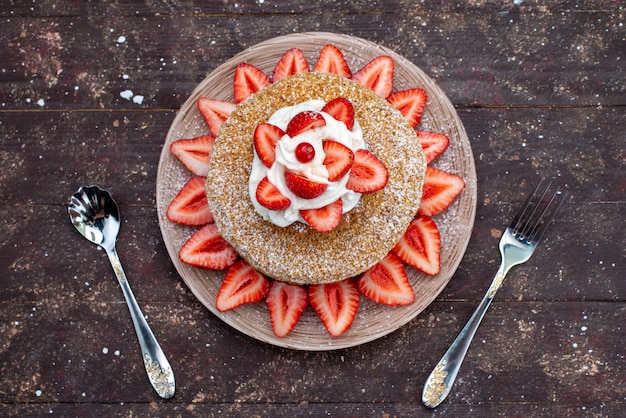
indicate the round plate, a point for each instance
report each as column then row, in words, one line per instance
column 373, row 320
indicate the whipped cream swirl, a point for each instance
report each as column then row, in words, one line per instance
column 314, row 170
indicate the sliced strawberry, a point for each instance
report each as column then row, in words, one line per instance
column 270, row 197
column 292, row 62
column 331, row 60
column 387, row 283
column 433, row 143
column 265, row 138
column 324, row 219
column 214, row 112
column 336, row 304
column 303, row 187
column 207, row 249
column 410, row 103
column 439, row 190
column 368, row 174
column 338, row 159
column 190, row 206
column 194, row 153
column 303, row 121
column 342, row 110
column 286, row 302
column 248, row 80
column 377, row 76
column 242, row 285
column 421, row 245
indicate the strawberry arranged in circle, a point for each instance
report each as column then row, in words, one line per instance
column 194, row 153
column 331, row 60
column 286, row 303
column 324, row 219
column 342, row 110
column 242, row 285
column 214, row 112
column 248, row 80
column 338, row 159
column 433, row 144
column 377, row 75
column 190, row 206
column 410, row 103
column 387, row 282
column 266, row 136
column 368, row 174
column 439, row 190
column 304, row 121
column 336, row 304
column 207, row 249
column 421, row 245
column 303, row 187
column 270, row 197
column 292, row 62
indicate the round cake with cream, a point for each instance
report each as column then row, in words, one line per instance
column 280, row 243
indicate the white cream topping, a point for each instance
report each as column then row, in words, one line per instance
column 314, row 170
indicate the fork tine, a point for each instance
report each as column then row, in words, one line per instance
column 537, row 213
column 525, row 211
column 545, row 219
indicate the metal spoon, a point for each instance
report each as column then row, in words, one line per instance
column 95, row 215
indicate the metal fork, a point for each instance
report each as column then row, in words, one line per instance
column 517, row 244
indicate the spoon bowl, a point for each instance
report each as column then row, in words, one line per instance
column 95, row 215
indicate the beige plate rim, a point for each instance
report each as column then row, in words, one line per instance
column 373, row 321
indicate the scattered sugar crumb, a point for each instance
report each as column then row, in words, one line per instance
column 127, row 94
column 121, row 39
column 105, row 350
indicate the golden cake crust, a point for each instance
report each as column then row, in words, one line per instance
column 298, row 253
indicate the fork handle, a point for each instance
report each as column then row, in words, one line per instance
column 441, row 379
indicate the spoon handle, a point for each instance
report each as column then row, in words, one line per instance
column 158, row 368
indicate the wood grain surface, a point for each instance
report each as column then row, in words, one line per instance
column 88, row 91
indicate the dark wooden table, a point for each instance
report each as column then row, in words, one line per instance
column 541, row 89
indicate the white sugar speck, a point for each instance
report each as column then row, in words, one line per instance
column 127, row 94
column 41, row 102
column 105, row 350
column 38, row 392
column 116, row 352
column 138, row 99
column 121, row 39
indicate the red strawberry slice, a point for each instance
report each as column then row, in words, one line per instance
column 368, row 174
column 303, row 187
column 410, row 103
column 214, row 112
column 242, row 285
column 292, row 62
column 342, row 110
column 190, row 206
column 433, row 143
column 336, row 304
column 207, row 249
column 387, row 282
column 270, row 197
column 331, row 60
column 303, row 121
column 265, row 138
column 248, row 80
column 338, row 159
column 324, row 219
column 286, row 302
column 439, row 190
column 421, row 245
column 194, row 153
column 377, row 76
